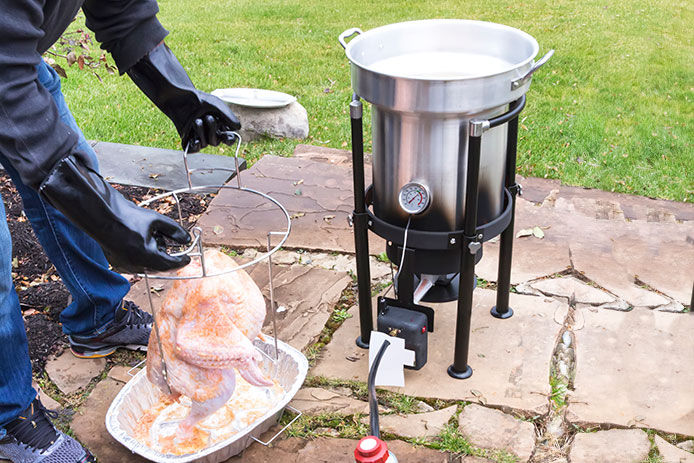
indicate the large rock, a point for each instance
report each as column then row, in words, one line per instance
column 613, row 446
column 632, row 370
column 289, row 121
column 419, row 425
column 70, row 373
column 510, row 358
column 89, row 425
column 671, row 454
column 492, row 429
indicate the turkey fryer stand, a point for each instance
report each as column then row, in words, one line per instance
column 196, row 250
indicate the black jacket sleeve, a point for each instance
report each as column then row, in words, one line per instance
column 128, row 29
column 32, row 136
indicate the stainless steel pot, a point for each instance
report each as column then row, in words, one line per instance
column 426, row 81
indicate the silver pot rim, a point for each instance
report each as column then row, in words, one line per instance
column 426, row 22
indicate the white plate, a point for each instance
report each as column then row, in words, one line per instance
column 254, row 97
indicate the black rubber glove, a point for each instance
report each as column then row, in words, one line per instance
column 132, row 237
column 200, row 118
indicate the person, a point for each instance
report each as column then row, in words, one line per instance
column 82, row 223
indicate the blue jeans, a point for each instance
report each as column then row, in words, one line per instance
column 96, row 291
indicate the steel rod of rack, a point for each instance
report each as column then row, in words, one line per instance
column 155, row 323
column 284, row 234
column 272, row 294
column 196, row 249
column 360, row 222
column 501, row 309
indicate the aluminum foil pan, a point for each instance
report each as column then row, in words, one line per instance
column 139, row 395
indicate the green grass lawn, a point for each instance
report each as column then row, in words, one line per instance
column 611, row 110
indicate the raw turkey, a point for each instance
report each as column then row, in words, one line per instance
column 206, row 326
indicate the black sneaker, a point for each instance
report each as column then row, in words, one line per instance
column 31, row 438
column 129, row 329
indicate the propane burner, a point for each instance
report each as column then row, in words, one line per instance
column 445, row 95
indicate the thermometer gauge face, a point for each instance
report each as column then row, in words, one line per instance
column 414, row 198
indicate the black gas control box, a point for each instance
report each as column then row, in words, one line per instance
column 409, row 322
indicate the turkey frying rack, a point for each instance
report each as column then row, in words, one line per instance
column 196, row 247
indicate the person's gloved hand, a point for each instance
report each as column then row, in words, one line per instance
column 132, row 237
column 200, row 118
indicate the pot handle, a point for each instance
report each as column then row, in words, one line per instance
column 516, row 84
column 348, row 33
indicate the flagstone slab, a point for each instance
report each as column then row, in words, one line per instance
column 326, row 450
column 161, row 168
column 89, row 425
column 304, row 297
column 492, row 429
column 571, row 287
column 122, row 373
column 70, row 373
column 532, row 257
column 510, row 358
column 611, row 251
column 316, row 194
column 416, row 425
column 612, row 446
column 315, row 400
column 671, row 454
column 634, row 369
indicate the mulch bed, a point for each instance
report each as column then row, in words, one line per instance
column 42, row 295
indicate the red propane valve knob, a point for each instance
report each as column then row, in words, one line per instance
column 371, row 450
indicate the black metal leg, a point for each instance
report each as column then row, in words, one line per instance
column 460, row 368
column 503, row 289
column 361, row 226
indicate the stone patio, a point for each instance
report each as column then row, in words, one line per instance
column 601, row 337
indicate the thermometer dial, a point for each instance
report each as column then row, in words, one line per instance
column 414, row 198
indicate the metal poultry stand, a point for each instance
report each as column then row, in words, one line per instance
column 468, row 240
column 196, row 250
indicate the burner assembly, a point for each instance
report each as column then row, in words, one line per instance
column 445, row 97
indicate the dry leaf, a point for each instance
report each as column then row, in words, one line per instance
column 328, row 218
column 156, row 289
column 59, row 70
column 524, row 232
column 538, row 233
column 297, row 215
column 154, row 176
column 479, row 396
column 217, row 230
